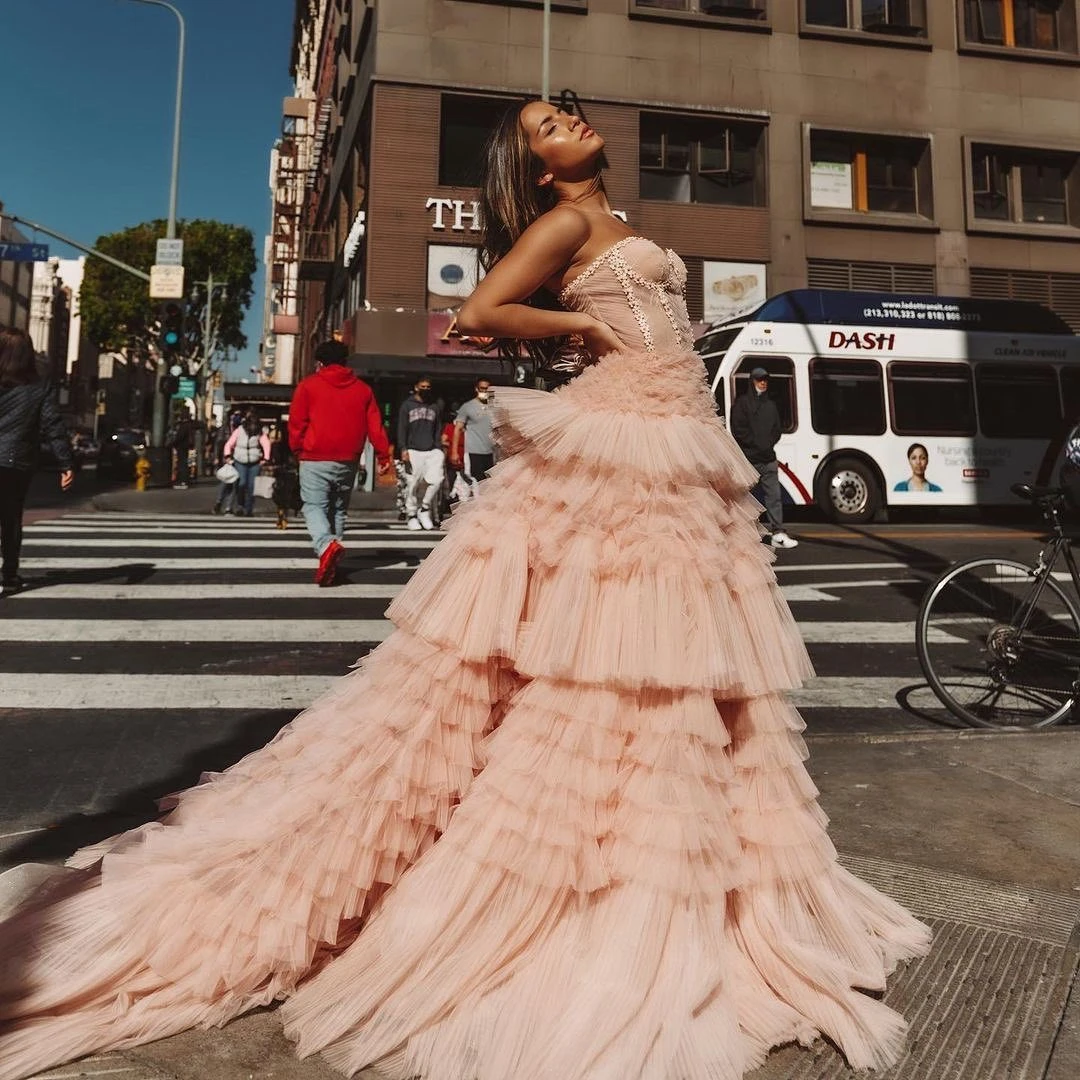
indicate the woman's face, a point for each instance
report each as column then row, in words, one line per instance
column 918, row 461
column 566, row 145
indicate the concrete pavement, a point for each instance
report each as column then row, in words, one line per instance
column 979, row 832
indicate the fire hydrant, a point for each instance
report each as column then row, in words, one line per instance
column 142, row 472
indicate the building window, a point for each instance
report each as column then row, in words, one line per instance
column 847, row 397
column 697, row 160
column 1017, row 401
column 1041, row 25
column 465, row 121
column 1058, row 291
column 726, row 9
column 917, row 278
column 870, row 174
column 902, row 18
column 1036, row 187
column 931, row 399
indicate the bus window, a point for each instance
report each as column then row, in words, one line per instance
column 1017, row 401
column 718, row 396
column 847, row 397
column 781, row 385
column 931, row 399
column 1070, row 393
column 713, row 346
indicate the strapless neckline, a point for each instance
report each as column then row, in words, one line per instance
column 591, row 267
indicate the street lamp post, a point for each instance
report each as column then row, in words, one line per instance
column 157, row 427
column 174, row 181
column 545, row 55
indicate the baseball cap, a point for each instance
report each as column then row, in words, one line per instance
column 759, row 373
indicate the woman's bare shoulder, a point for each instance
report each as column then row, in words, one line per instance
column 564, row 228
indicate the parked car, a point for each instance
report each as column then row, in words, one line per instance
column 119, row 452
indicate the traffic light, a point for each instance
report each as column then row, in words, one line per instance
column 169, row 385
column 171, row 317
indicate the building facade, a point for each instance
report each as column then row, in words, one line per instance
column 894, row 145
column 16, row 280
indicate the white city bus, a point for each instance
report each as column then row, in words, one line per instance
column 891, row 400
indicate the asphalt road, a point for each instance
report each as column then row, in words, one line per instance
column 154, row 647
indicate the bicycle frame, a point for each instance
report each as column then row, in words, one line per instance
column 1059, row 545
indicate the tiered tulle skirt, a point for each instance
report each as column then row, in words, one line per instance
column 557, row 827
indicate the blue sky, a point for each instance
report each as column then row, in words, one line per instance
column 88, row 88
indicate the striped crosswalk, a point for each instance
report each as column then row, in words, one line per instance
column 175, row 579
column 147, row 640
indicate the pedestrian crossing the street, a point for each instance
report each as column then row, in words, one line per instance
column 146, row 639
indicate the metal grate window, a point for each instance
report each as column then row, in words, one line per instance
column 871, row 276
column 1059, row 292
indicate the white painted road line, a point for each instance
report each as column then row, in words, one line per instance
column 828, row 568
column 97, row 631
column 147, row 693
column 270, row 590
column 123, row 543
column 76, row 631
column 208, row 563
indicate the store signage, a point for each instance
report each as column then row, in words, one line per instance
column 444, row 338
column 461, row 211
column 356, row 234
column 459, row 214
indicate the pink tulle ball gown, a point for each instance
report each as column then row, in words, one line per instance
column 557, row 827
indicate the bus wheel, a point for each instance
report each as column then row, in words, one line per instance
column 848, row 491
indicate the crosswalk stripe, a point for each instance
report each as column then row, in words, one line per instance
column 271, row 590
column 90, row 631
column 147, row 693
column 128, row 543
column 76, row 563
column 359, row 630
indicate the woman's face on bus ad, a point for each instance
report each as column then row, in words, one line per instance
column 918, row 460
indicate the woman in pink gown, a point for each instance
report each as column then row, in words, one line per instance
column 558, row 826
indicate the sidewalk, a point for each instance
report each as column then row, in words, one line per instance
column 975, row 832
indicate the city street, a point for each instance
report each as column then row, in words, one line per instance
column 153, row 647
column 156, row 644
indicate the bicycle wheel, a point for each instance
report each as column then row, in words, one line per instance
column 982, row 668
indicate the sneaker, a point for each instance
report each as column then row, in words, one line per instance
column 426, row 521
column 413, row 524
column 12, row 585
column 328, row 563
column 780, row 539
column 228, row 513
column 217, row 508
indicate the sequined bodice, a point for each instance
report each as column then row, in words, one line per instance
column 637, row 288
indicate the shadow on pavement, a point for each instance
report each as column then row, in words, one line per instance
column 130, row 809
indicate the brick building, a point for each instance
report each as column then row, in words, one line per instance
column 884, row 144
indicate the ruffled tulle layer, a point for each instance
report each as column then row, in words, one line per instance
column 557, row 826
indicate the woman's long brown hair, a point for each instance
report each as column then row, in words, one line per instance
column 510, row 201
column 18, row 362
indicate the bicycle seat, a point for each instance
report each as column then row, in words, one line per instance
column 1036, row 492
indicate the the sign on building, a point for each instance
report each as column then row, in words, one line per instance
column 444, row 338
column 731, row 289
column 453, row 271
column 830, row 185
column 166, row 282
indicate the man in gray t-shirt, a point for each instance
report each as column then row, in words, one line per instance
column 472, row 425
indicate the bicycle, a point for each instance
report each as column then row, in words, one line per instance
column 998, row 640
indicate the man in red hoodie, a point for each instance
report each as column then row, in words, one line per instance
column 332, row 415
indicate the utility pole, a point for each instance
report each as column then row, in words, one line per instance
column 157, row 430
column 545, row 58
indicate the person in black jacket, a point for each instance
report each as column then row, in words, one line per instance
column 28, row 418
column 755, row 425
